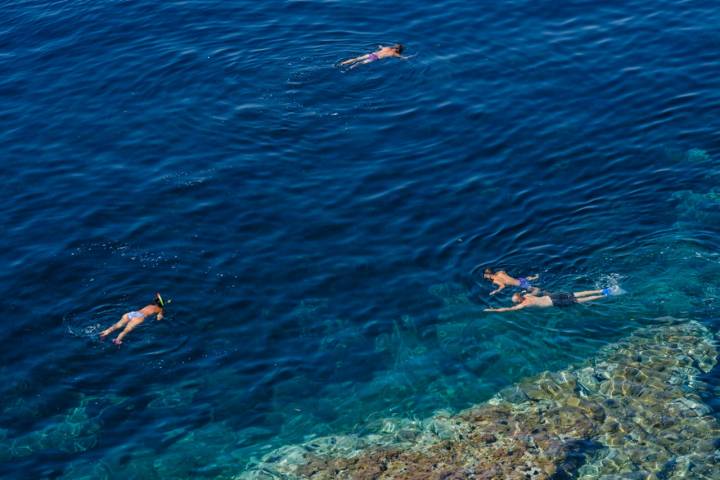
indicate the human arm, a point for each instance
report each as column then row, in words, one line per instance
column 533, row 277
column 160, row 315
column 500, row 287
column 506, row 309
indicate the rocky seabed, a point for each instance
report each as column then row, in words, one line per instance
column 632, row 412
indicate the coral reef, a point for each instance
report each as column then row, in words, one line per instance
column 633, row 410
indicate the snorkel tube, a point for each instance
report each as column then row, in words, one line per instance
column 159, row 300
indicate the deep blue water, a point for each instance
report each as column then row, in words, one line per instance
column 316, row 227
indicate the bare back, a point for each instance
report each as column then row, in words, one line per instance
column 502, row 278
column 150, row 310
column 386, row 52
column 539, row 302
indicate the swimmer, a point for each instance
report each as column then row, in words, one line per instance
column 132, row 319
column 502, row 280
column 382, row 52
column 560, row 299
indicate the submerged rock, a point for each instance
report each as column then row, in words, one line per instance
column 631, row 411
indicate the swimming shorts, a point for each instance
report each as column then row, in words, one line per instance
column 524, row 283
column 562, row 299
column 372, row 57
column 132, row 315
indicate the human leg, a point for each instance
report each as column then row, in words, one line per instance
column 121, row 323
column 585, row 293
column 589, row 298
column 128, row 328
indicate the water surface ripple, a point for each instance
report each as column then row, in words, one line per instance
column 316, row 228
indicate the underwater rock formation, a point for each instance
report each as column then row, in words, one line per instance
column 73, row 432
column 633, row 410
column 701, row 207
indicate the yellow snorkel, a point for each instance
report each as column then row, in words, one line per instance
column 160, row 301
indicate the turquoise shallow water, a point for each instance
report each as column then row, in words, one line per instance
column 316, row 228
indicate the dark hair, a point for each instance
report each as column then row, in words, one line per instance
column 488, row 271
column 399, row 48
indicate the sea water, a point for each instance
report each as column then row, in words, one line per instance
column 316, row 228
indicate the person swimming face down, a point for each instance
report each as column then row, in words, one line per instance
column 518, row 298
column 382, row 52
column 130, row 320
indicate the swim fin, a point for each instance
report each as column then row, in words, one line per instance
column 613, row 291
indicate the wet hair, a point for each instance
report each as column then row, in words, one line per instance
column 488, row 271
column 398, row 48
column 518, row 298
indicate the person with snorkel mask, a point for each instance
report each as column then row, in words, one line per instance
column 132, row 319
column 382, row 52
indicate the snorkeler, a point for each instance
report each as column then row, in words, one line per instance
column 382, row 52
column 560, row 299
column 502, row 280
column 132, row 319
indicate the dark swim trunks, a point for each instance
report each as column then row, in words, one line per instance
column 562, row 299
